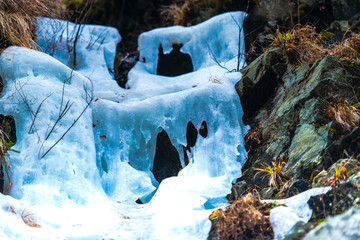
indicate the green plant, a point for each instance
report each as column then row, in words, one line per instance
column 274, row 171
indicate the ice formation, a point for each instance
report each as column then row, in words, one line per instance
column 87, row 146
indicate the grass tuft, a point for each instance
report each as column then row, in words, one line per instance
column 341, row 174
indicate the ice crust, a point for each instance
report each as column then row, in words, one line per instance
column 86, row 186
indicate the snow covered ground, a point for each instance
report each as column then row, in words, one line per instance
column 87, row 146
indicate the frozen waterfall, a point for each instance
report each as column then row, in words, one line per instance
column 87, row 146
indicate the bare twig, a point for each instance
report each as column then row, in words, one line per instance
column 213, row 57
column 37, row 112
column 88, row 104
column 62, row 112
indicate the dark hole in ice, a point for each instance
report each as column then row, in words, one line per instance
column 7, row 126
column 166, row 160
column 191, row 137
column 191, row 134
column 175, row 63
column 203, row 131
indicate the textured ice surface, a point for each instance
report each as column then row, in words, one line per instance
column 86, row 186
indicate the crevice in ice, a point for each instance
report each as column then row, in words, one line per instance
column 166, row 160
column 175, row 63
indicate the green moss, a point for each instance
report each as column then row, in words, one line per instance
column 320, row 221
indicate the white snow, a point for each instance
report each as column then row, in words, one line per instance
column 85, row 187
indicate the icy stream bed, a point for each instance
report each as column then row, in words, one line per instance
column 87, row 146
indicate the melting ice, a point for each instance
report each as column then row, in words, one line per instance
column 87, row 146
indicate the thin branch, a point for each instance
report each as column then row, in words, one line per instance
column 68, row 129
column 62, row 112
column 212, row 55
column 37, row 112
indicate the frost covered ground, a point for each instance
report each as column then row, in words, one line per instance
column 87, row 146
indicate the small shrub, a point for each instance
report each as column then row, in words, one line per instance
column 246, row 218
column 274, row 171
column 301, row 44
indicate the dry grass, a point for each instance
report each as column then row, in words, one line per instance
column 17, row 20
column 303, row 44
column 274, row 171
column 246, row 218
column 27, row 217
column 348, row 49
column 345, row 114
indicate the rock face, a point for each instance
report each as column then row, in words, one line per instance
column 288, row 107
column 344, row 226
column 293, row 124
column 345, row 9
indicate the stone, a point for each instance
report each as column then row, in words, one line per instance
column 305, row 148
column 341, row 198
column 258, row 83
column 238, row 189
column 299, row 231
column 344, row 227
